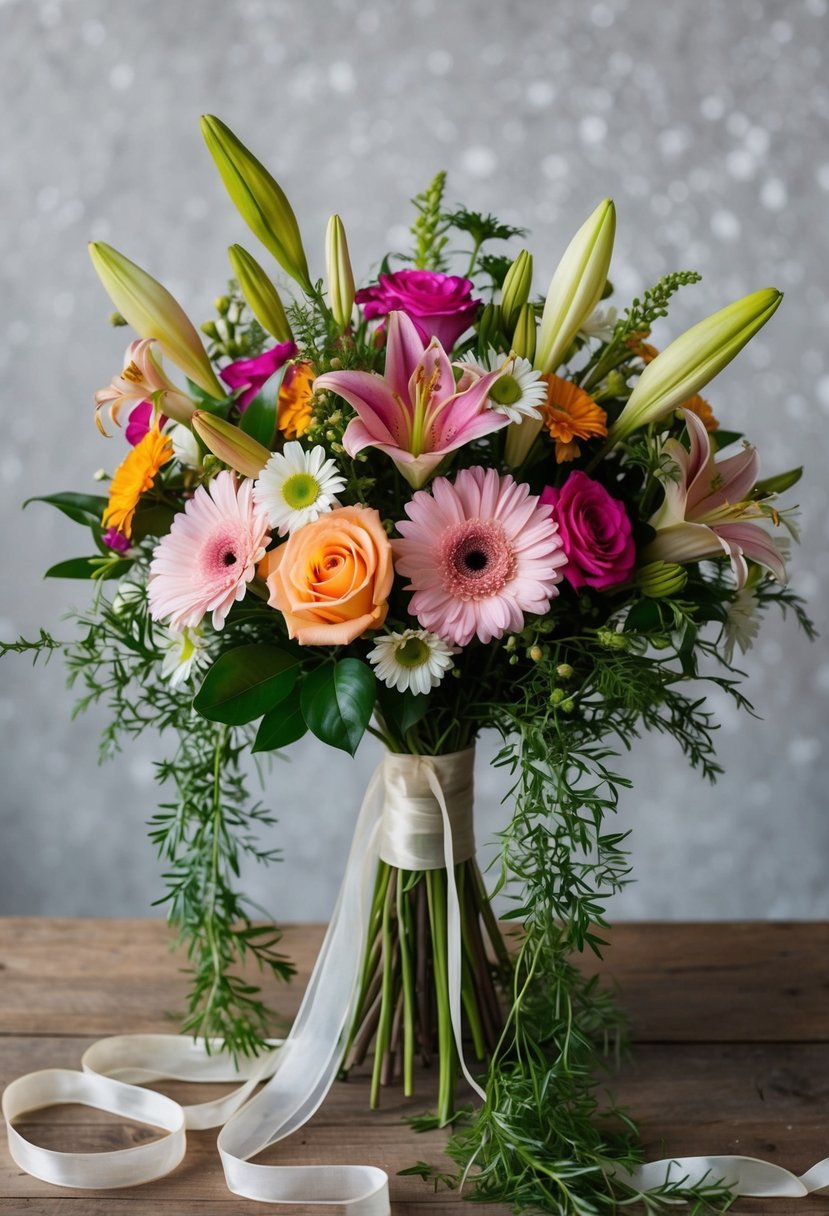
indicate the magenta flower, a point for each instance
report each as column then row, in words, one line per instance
column 115, row 540
column 708, row 511
column 478, row 555
column 250, row 375
column 595, row 533
column 440, row 305
column 209, row 556
column 413, row 412
column 140, row 421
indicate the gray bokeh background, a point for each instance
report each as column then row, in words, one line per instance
column 706, row 122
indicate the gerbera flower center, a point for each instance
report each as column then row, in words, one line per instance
column 222, row 553
column 412, row 653
column 476, row 559
column 506, row 391
column 300, row 490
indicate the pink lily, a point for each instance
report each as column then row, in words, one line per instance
column 142, row 380
column 413, row 412
column 707, row 508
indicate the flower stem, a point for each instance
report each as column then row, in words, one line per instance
column 404, row 931
column 381, row 1044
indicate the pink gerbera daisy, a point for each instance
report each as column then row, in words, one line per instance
column 478, row 554
column 209, row 555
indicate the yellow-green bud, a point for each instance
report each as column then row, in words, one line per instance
column 660, row 580
column 259, row 292
column 523, row 337
column 211, row 329
column 564, row 671
column 232, row 446
column 557, row 696
column 154, row 313
column 616, row 385
column 339, row 273
column 116, row 320
column 258, row 198
column 489, row 326
column 222, row 305
column 536, row 653
column 516, row 289
column 567, row 707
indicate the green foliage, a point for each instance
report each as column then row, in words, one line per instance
column 337, row 702
column 81, row 508
column 245, row 683
column 430, row 225
column 642, row 313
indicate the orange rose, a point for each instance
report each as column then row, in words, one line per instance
column 331, row 579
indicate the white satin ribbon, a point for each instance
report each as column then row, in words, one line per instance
column 420, row 793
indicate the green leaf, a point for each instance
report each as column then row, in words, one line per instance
column 245, row 683
column 402, row 710
column 778, row 484
column 81, row 508
column 259, row 419
column 722, row 439
column 643, row 617
column 89, row 567
column 210, row 405
column 337, row 700
column 282, row 726
column 153, row 519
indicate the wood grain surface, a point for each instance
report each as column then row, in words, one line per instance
column 730, row 1021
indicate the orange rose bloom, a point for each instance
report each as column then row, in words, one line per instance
column 570, row 414
column 294, row 416
column 331, row 579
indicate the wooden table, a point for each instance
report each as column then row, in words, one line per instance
column 731, row 1023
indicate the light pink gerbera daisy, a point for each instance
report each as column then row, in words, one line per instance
column 478, row 554
column 209, row 555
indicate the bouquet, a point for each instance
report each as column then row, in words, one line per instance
column 432, row 506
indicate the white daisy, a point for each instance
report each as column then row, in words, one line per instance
column 518, row 393
column 296, row 487
column 414, row 659
column 185, row 651
column 600, row 324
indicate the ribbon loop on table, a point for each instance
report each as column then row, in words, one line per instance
column 423, row 821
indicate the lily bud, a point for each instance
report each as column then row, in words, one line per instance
column 258, row 199
column 339, row 273
column 694, row 358
column 516, row 289
column 575, row 290
column 232, row 446
column 577, row 285
column 660, row 580
column 259, row 292
column 489, row 327
column 523, row 339
column 154, row 313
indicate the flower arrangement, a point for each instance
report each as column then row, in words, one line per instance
column 433, row 506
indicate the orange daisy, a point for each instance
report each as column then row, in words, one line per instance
column 295, row 397
column 571, row 414
column 135, row 475
column 696, row 404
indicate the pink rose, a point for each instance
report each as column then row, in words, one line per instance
column 250, row 375
column 595, row 532
column 440, row 305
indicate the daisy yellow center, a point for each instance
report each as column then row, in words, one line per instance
column 300, row 490
column 412, row 653
column 506, row 391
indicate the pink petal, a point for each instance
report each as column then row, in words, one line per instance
column 384, row 415
column 404, row 351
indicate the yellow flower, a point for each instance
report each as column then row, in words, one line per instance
column 133, row 477
column 571, row 414
column 295, row 399
column 696, row 404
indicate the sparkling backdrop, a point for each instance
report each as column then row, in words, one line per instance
column 707, row 123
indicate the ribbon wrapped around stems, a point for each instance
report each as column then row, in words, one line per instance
column 417, row 814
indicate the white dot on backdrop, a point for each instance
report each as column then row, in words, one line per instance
column 674, row 141
column 822, row 390
column 712, row 108
column 121, row 76
column 822, row 175
column 741, row 164
column 93, row 33
column 540, row 93
column 602, row 15
column 554, row 167
column 804, row 751
column 439, row 62
column 773, row 194
column 781, row 31
column 592, row 129
column 725, row 225
column 479, row 161
column 341, row 77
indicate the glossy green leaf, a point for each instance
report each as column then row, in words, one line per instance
column 282, row 726
column 81, row 508
column 259, row 419
column 337, row 702
column 152, row 520
column 89, row 567
column 779, row 483
column 402, row 710
column 245, row 683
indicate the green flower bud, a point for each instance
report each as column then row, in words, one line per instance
column 232, row 446
column 116, row 320
column 557, row 696
column 523, row 337
column 661, row 580
column 489, row 327
column 260, row 294
column 339, row 273
column 516, row 290
column 564, row 671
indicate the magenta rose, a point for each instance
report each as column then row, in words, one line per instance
column 250, row 375
column 440, row 305
column 595, row 533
